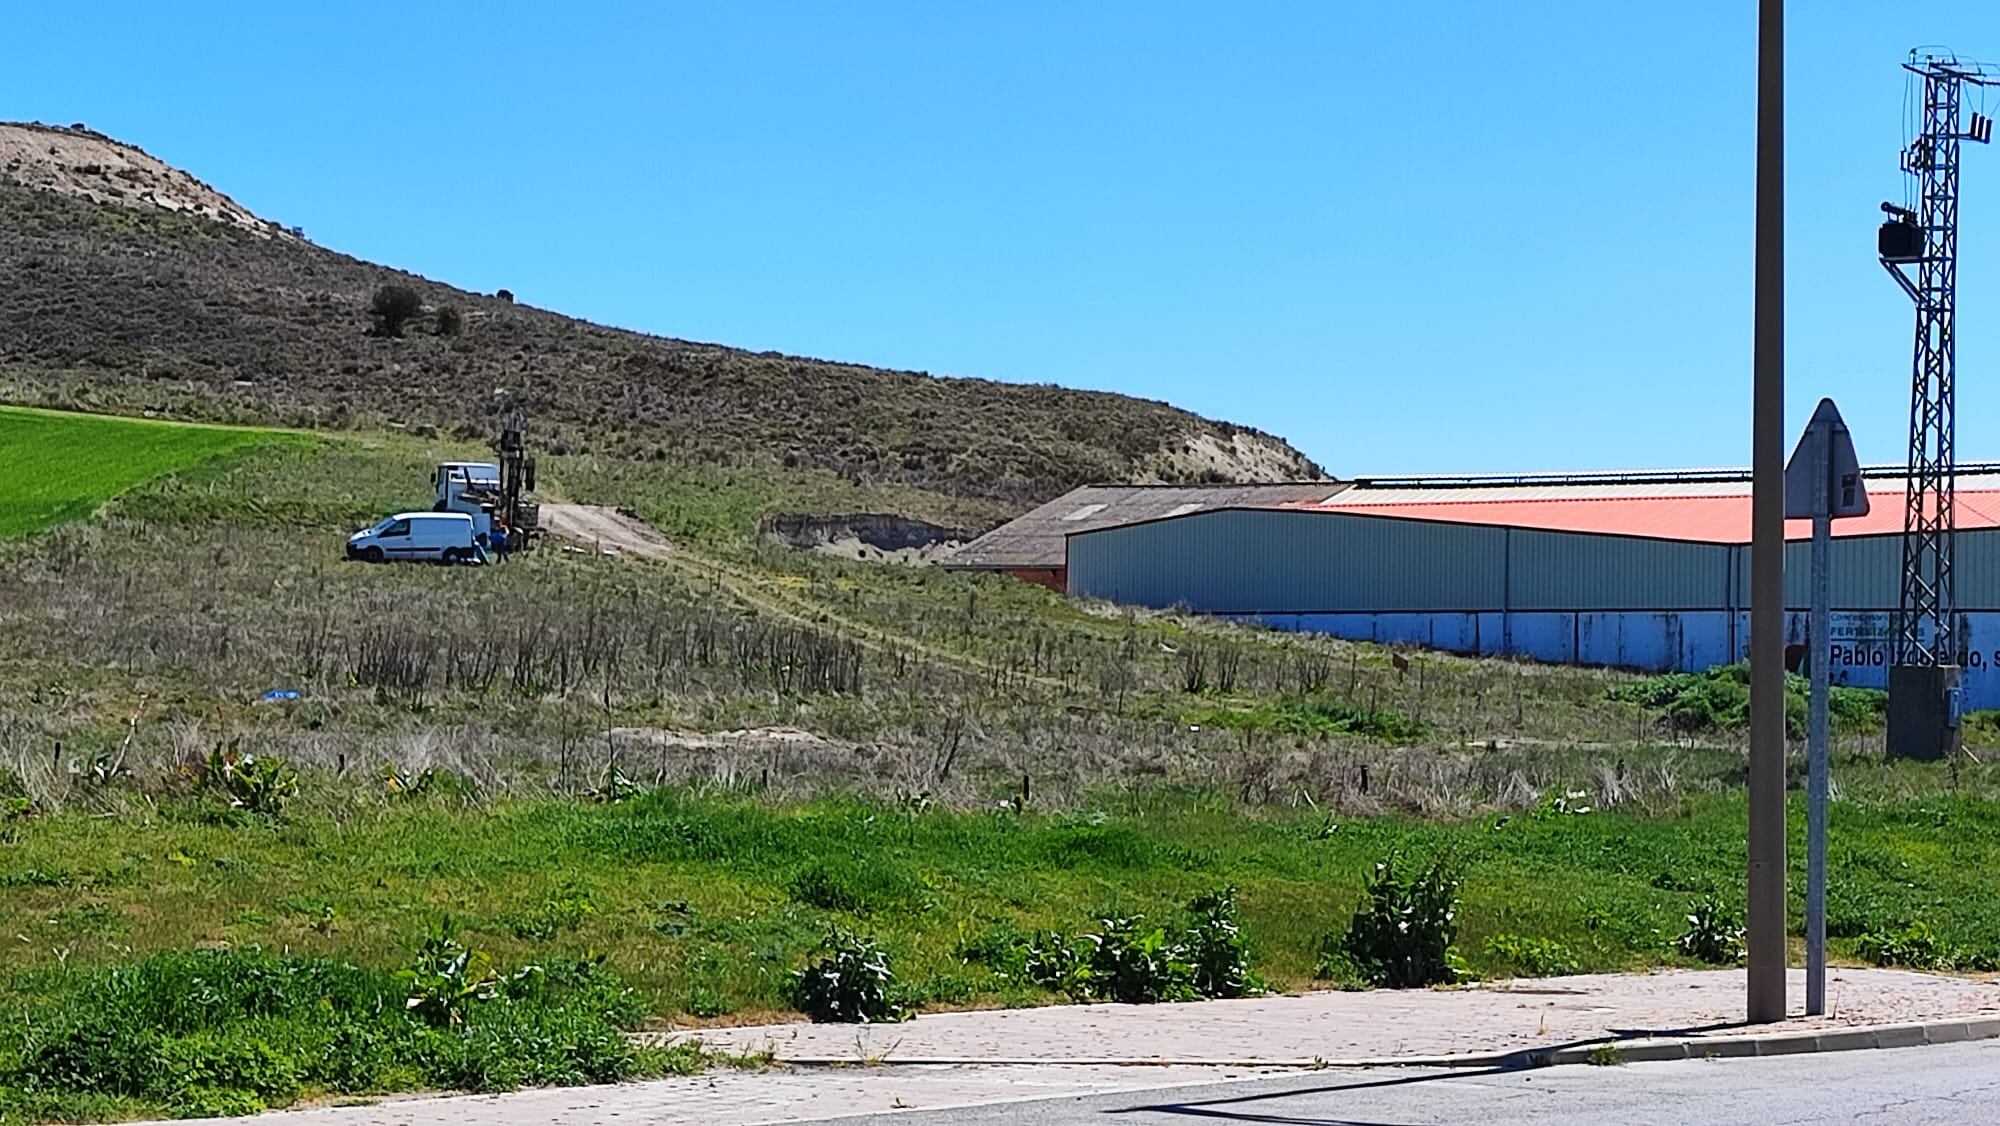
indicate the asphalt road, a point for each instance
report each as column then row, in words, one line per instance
column 1958, row 1083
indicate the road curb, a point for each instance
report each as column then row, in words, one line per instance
column 1604, row 1051
column 1910, row 1035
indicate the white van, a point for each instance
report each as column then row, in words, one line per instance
column 437, row 537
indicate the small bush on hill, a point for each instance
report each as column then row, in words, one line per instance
column 450, row 322
column 393, row 307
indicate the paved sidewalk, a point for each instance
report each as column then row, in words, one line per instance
column 1537, row 1014
column 966, row 1059
column 727, row 1098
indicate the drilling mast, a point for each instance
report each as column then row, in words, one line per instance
column 1921, row 236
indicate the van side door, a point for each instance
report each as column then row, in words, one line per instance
column 395, row 540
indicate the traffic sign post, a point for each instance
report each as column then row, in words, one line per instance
column 1823, row 482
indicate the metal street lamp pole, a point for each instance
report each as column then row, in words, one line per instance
column 1767, row 539
column 1818, row 752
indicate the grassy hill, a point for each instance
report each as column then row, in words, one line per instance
column 122, row 306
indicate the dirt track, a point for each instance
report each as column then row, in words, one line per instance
column 596, row 525
column 605, row 529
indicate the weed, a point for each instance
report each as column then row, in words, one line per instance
column 1530, row 956
column 1058, row 964
column 848, row 981
column 1714, row 935
column 1564, row 803
column 1402, row 933
column 560, row 913
column 1216, row 948
column 1915, row 946
column 429, row 782
column 1604, row 1055
column 446, row 980
column 255, row 784
column 197, row 1033
column 1138, row 965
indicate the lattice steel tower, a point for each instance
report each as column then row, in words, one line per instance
column 1924, row 234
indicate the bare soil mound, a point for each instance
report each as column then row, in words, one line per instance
column 81, row 162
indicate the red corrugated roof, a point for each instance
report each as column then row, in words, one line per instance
column 1709, row 519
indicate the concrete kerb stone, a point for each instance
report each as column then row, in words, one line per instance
column 1595, row 1052
column 1910, row 1035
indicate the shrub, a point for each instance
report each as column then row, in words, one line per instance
column 1713, row 934
column 450, row 322
column 506, row 295
column 850, row 982
column 1403, row 931
column 1138, row 966
column 1216, row 949
column 1719, row 700
column 393, row 307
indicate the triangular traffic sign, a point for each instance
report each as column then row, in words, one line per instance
column 1845, row 494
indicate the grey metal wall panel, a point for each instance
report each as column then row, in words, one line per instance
column 1243, row 562
column 1278, row 562
column 1868, row 571
column 1976, row 562
column 1568, row 571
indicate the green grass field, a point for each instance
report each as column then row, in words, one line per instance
column 675, row 905
column 57, row 467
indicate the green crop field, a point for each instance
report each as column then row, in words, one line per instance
column 56, row 467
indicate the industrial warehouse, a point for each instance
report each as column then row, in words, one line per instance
column 1636, row 570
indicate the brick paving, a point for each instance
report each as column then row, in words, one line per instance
column 958, row 1059
column 1493, row 1017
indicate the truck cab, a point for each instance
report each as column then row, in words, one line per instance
column 469, row 487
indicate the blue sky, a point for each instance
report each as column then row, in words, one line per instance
column 1443, row 236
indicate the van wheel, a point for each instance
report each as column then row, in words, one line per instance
column 371, row 555
column 453, row 557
